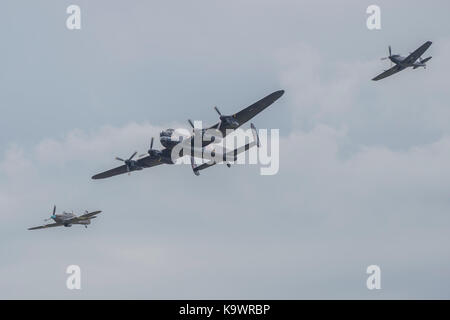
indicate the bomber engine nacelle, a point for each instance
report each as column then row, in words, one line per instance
column 208, row 135
column 162, row 155
column 228, row 121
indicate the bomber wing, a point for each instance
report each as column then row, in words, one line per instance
column 248, row 113
column 145, row 162
column 231, row 154
column 110, row 173
column 241, row 117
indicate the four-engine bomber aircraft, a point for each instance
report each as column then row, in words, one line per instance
column 414, row 60
column 67, row 219
column 226, row 123
column 164, row 156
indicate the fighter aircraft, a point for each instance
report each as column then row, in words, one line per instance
column 226, row 124
column 67, row 219
column 414, row 60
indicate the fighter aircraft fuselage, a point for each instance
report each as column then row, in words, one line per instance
column 67, row 219
column 400, row 60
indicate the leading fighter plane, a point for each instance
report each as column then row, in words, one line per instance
column 226, row 124
column 414, row 60
column 67, row 219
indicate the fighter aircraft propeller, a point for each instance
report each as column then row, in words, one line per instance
column 53, row 216
column 388, row 57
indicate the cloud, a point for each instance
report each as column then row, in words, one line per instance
column 78, row 145
column 338, row 92
column 363, row 171
column 319, row 89
column 375, row 195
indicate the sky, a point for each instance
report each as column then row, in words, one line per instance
column 364, row 166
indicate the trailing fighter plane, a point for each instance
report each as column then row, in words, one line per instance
column 414, row 60
column 226, row 124
column 67, row 219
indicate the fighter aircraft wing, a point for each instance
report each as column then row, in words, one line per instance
column 145, row 162
column 88, row 215
column 248, row 113
column 46, row 226
column 389, row 72
column 417, row 53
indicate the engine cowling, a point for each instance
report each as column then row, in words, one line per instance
column 229, row 121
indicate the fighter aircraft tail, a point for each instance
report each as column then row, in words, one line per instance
column 426, row 59
column 422, row 63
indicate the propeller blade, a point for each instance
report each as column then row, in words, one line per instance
column 54, row 210
column 217, row 110
column 133, row 155
column 151, row 144
column 390, row 51
column 120, row 159
column 190, row 122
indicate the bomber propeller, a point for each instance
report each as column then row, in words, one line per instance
column 226, row 119
column 152, row 152
column 129, row 162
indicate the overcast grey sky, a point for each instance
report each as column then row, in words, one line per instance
column 364, row 166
